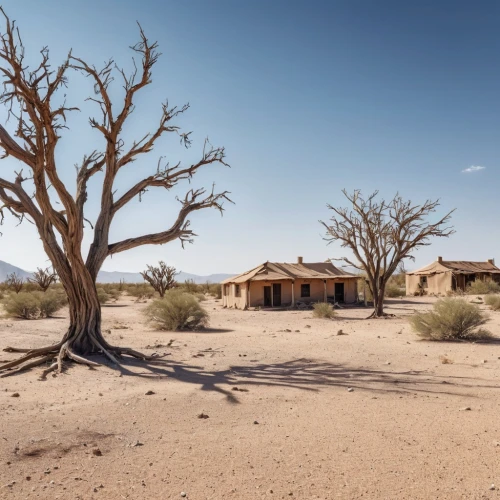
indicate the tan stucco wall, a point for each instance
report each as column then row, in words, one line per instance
column 257, row 292
column 437, row 284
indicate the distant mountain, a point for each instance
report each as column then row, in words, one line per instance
column 117, row 276
column 6, row 269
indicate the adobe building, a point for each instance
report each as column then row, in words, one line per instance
column 449, row 275
column 274, row 284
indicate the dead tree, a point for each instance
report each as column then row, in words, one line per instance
column 161, row 278
column 43, row 278
column 35, row 100
column 14, row 282
column 381, row 235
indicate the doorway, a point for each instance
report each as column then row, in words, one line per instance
column 276, row 294
column 267, row 297
column 339, row 292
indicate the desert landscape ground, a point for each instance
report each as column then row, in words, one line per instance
column 263, row 404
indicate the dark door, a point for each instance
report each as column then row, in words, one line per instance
column 339, row 292
column 267, row 296
column 276, row 294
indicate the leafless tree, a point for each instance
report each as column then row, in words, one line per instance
column 382, row 234
column 14, row 282
column 43, row 278
column 35, row 99
column 161, row 278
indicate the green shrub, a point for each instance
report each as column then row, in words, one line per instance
column 450, row 319
column 323, row 310
column 393, row 290
column 22, row 305
column 50, row 302
column 493, row 301
column 103, row 296
column 483, row 287
column 177, row 310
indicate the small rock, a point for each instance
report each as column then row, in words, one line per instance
column 137, row 443
column 287, row 330
column 97, row 452
column 297, row 331
column 484, row 361
column 387, row 363
column 15, row 395
column 492, row 487
column 149, row 393
column 52, row 482
column 350, row 389
column 203, row 415
column 255, row 422
column 466, row 408
column 309, row 326
column 183, row 494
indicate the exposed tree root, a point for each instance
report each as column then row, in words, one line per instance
column 59, row 352
column 374, row 315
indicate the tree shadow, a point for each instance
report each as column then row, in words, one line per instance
column 304, row 374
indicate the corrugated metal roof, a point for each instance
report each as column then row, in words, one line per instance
column 274, row 271
column 457, row 267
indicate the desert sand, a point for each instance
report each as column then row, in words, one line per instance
column 294, row 410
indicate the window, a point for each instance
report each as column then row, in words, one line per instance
column 237, row 291
column 423, row 281
column 305, row 290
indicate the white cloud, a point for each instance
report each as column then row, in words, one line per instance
column 473, row 168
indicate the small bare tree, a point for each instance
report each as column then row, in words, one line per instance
column 381, row 235
column 35, row 99
column 43, row 278
column 161, row 278
column 14, row 282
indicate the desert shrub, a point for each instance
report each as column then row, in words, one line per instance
column 450, row 319
column 50, row 302
column 22, row 305
column 479, row 287
column 323, row 310
column 177, row 310
column 200, row 296
column 140, row 290
column 493, row 301
column 394, row 290
column 34, row 305
column 190, row 286
column 102, row 295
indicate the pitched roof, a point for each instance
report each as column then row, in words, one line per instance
column 457, row 267
column 274, row 271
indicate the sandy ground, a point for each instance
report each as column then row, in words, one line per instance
column 293, row 429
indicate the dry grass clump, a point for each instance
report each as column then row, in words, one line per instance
column 483, row 287
column 451, row 319
column 393, row 290
column 493, row 301
column 445, row 360
column 34, row 305
column 141, row 291
column 177, row 310
column 323, row 310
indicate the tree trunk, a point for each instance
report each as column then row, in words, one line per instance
column 84, row 333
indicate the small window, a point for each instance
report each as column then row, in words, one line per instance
column 305, row 290
column 423, row 281
column 237, row 291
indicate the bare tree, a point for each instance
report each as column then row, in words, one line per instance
column 35, row 98
column 43, row 278
column 161, row 278
column 381, row 235
column 14, row 282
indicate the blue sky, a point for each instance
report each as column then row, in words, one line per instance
column 308, row 98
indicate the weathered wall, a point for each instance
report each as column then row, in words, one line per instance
column 436, row 284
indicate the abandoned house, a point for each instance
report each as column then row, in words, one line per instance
column 275, row 284
column 449, row 275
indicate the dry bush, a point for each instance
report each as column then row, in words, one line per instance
column 102, row 295
column 493, row 301
column 177, row 310
column 393, row 290
column 200, row 296
column 483, row 287
column 141, row 291
column 161, row 277
column 14, row 282
column 43, row 278
column 445, row 360
column 451, row 319
column 34, row 305
column 323, row 310
column 190, row 286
